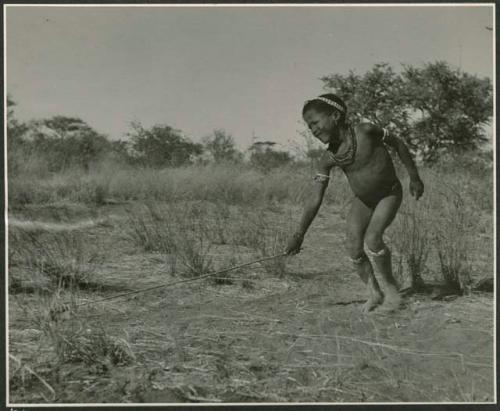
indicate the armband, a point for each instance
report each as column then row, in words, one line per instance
column 321, row 178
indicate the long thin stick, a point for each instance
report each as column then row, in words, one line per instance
column 181, row 281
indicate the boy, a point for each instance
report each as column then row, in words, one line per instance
column 361, row 153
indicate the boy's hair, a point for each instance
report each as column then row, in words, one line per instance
column 326, row 103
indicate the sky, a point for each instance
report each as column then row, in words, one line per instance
column 247, row 70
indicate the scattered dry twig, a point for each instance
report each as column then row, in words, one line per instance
column 45, row 383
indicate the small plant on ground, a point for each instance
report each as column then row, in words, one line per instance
column 151, row 229
column 249, row 228
column 192, row 239
column 220, row 221
column 453, row 244
column 273, row 243
column 412, row 242
column 272, row 247
column 66, row 258
column 179, row 231
column 72, row 339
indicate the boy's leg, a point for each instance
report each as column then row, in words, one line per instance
column 357, row 223
column 382, row 217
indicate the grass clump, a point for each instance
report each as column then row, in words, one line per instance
column 412, row 242
column 273, row 241
column 66, row 258
column 179, row 231
column 193, row 243
column 453, row 242
column 72, row 339
column 149, row 230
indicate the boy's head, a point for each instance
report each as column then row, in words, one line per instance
column 323, row 115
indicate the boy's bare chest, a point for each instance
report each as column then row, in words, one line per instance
column 368, row 153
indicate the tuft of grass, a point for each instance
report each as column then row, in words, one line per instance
column 180, row 231
column 149, row 230
column 193, row 243
column 249, row 228
column 273, row 242
column 66, row 258
column 454, row 261
column 220, row 217
column 412, row 241
column 453, row 240
column 76, row 341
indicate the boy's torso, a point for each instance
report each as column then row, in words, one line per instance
column 372, row 172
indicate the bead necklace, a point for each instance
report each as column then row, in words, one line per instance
column 346, row 158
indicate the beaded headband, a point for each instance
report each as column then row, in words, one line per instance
column 331, row 103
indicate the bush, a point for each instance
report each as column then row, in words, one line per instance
column 161, row 146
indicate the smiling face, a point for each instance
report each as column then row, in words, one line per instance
column 322, row 125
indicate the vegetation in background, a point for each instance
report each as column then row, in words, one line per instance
column 160, row 146
column 435, row 108
column 220, row 145
column 264, row 157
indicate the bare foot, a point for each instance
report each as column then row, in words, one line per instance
column 372, row 302
column 392, row 302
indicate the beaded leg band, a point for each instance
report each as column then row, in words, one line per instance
column 385, row 250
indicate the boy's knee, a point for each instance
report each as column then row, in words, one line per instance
column 354, row 244
column 374, row 242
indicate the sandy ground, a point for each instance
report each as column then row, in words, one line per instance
column 300, row 337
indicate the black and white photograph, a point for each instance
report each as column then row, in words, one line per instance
column 249, row 204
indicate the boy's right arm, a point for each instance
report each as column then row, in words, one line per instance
column 313, row 203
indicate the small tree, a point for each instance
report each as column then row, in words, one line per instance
column 161, row 145
column 433, row 107
column 15, row 142
column 264, row 157
column 15, row 128
column 67, row 142
column 221, row 146
column 121, row 151
column 376, row 96
column 452, row 107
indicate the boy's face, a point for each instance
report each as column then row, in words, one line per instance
column 321, row 124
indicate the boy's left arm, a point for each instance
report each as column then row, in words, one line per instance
column 416, row 184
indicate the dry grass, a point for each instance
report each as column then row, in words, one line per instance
column 211, row 217
column 412, row 240
column 67, row 340
column 228, row 184
column 187, row 232
column 440, row 226
column 454, row 244
column 66, row 258
column 179, row 232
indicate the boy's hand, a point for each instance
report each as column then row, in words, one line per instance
column 416, row 188
column 293, row 245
